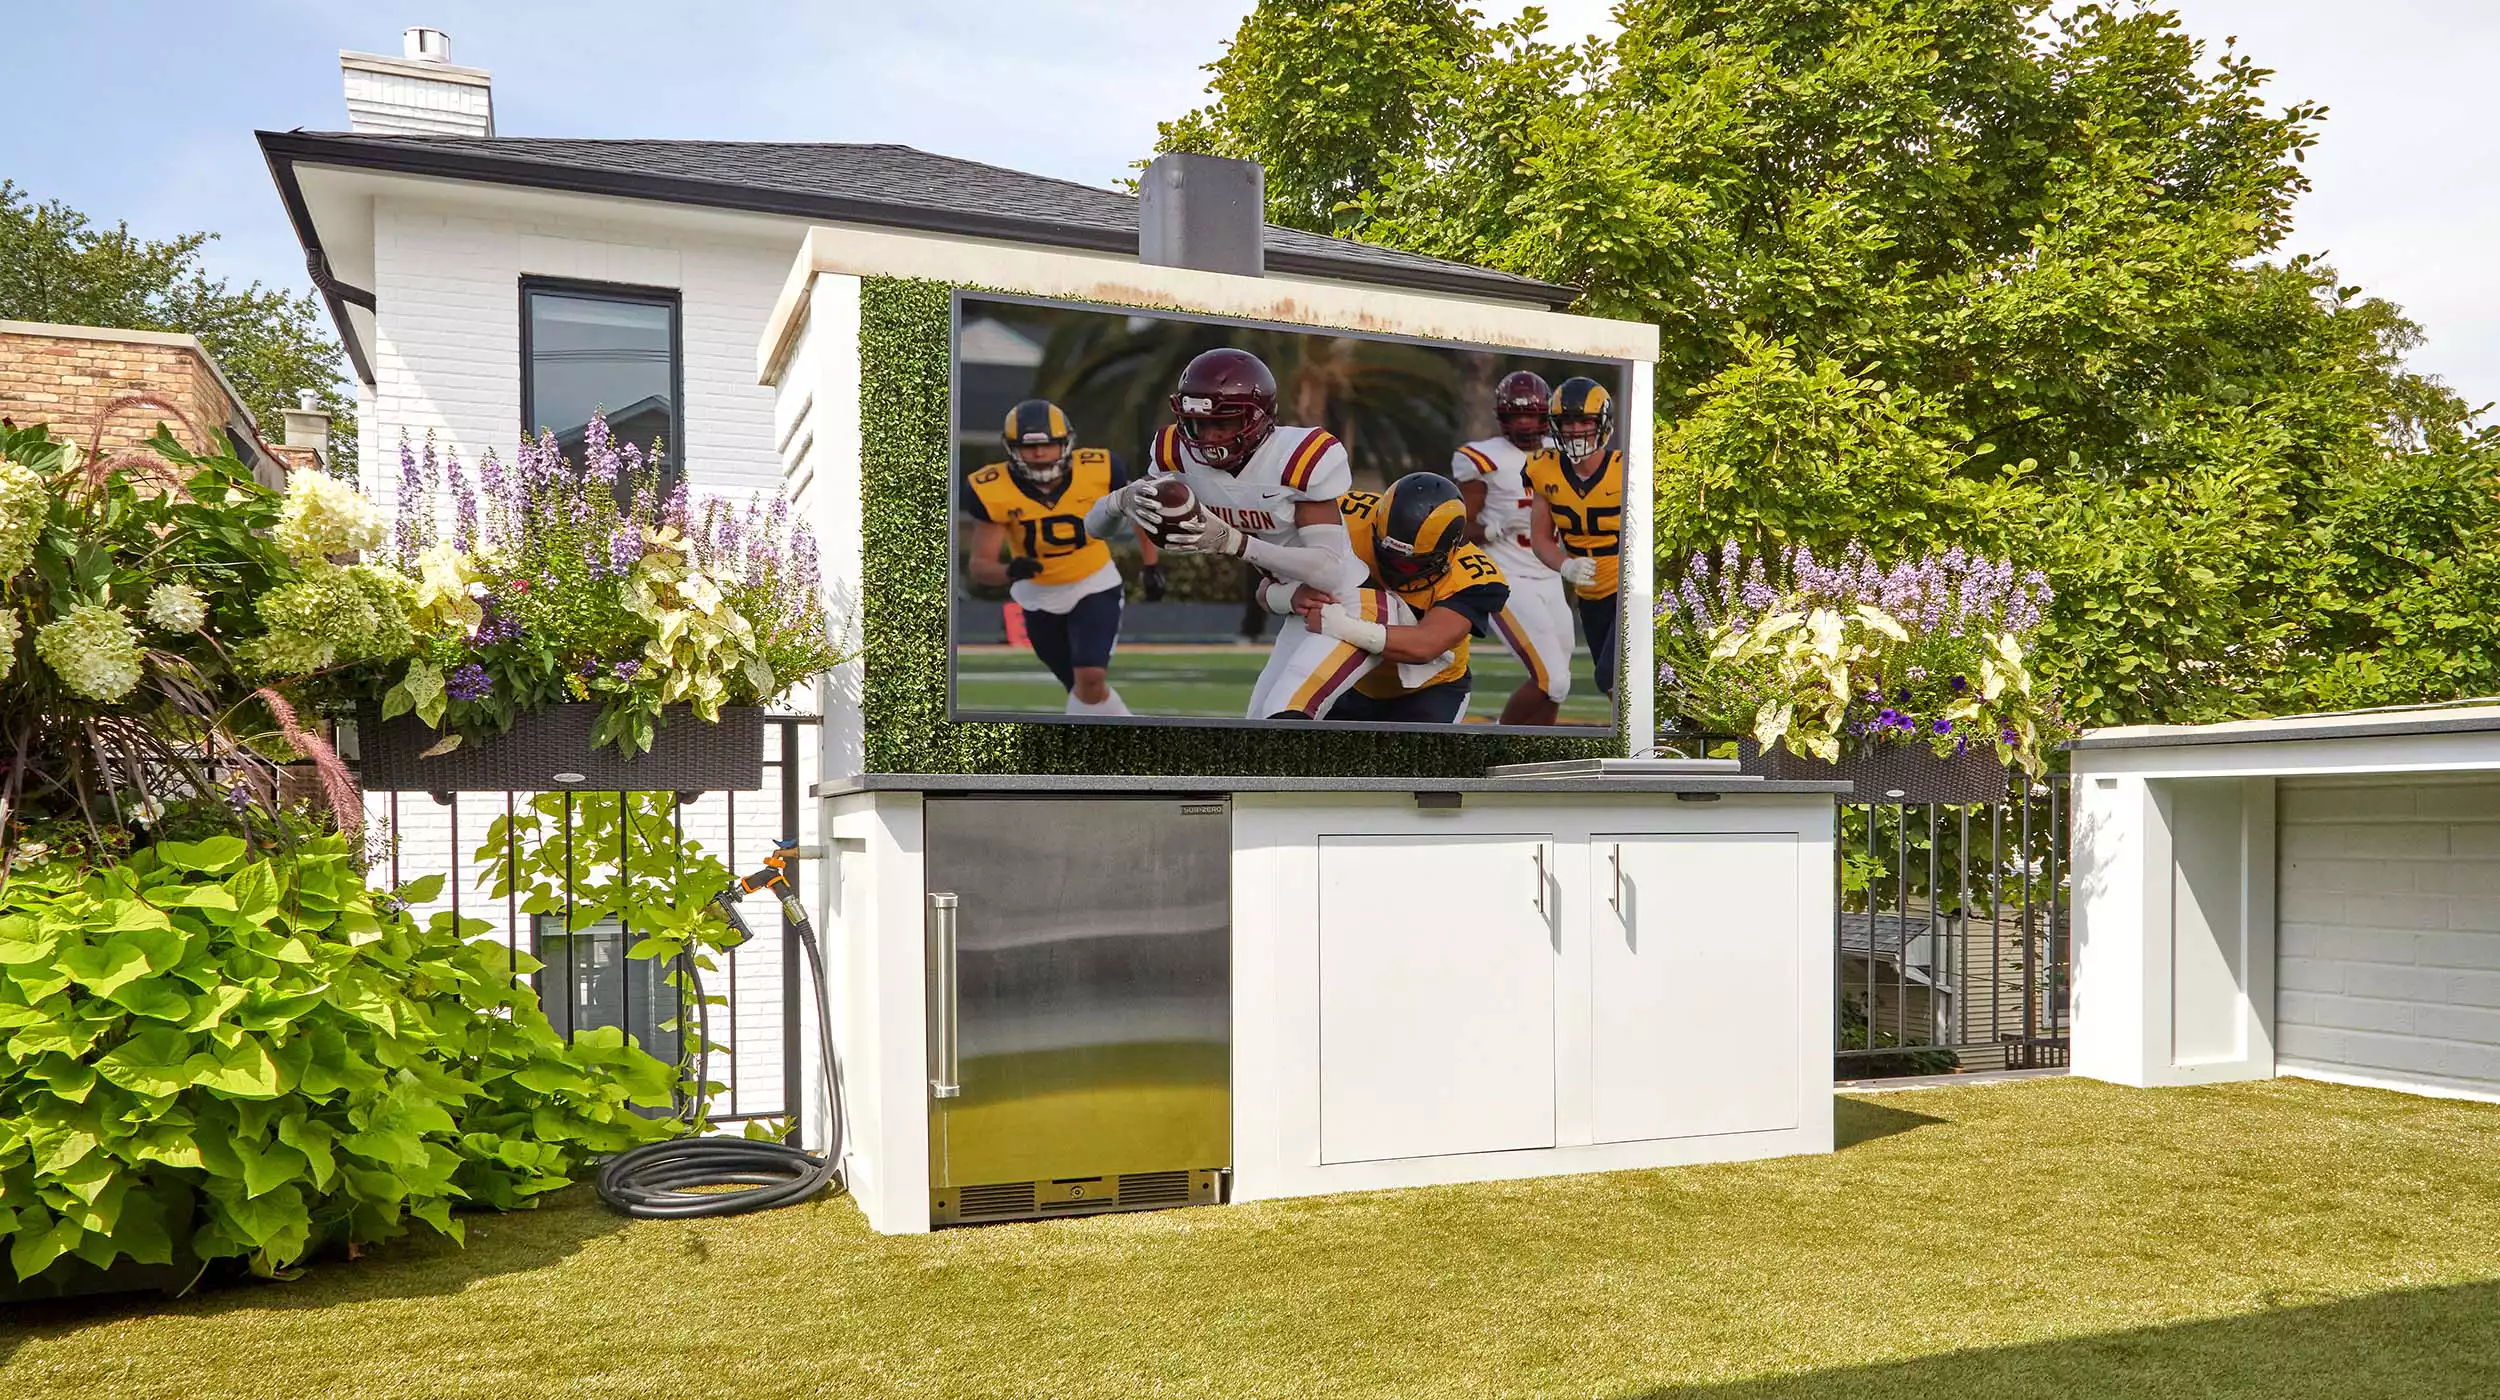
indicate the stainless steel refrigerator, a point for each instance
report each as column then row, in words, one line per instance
column 1080, row 1017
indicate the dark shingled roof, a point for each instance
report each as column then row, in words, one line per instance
column 885, row 185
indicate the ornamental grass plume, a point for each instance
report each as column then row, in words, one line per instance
column 93, row 649
column 338, row 786
column 24, row 506
column 323, row 516
column 177, row 607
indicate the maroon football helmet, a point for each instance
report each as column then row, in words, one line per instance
column 1519, row 406
column 1226, row 407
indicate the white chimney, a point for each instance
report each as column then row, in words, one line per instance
column 418, row 93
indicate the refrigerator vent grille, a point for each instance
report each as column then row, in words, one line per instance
column 1154, row 1189
column 1009, row 1198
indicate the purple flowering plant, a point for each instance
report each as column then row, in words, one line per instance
column 1828, row 656
column 571, row 576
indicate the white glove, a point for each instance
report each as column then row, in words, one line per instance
column 1208, row 533
column 1578, row 571
column 1337, row 621
column 1139, row 505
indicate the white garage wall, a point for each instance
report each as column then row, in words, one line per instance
column 2389, row 932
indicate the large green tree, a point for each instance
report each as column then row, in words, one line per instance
column 1934, row 271
column 57, row 265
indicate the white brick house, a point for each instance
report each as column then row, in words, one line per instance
column 437, row 244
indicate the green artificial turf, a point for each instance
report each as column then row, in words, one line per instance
column 1216, row 681
column 2056, row 1238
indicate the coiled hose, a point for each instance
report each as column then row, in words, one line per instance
column 682, row 1178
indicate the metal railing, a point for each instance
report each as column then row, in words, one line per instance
column 1951, row 934
column 587, row 977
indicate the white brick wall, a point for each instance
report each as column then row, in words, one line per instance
column 2389, row 931
column 447, row 357
column 447, row 274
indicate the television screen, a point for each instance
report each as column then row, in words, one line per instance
column 1170, row 518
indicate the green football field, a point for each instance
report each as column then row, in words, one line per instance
column 1215, row 681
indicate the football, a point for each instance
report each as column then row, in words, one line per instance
column 1177, row 501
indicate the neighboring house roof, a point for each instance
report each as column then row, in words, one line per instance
column 880, row 185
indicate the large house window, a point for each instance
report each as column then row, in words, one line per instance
column 591, row 347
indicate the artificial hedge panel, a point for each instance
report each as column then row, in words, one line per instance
column 905, row 470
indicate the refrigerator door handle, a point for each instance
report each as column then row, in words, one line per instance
column 942, row 1067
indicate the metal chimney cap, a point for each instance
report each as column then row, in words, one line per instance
column 425, row 45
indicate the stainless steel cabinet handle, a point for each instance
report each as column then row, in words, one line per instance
column 1618, row 858
column 942, row 1067
column 1540, row 878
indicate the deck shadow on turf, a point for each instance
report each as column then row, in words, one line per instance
column 1855, row 1121
column 417, row 1265
column 2387, row 1346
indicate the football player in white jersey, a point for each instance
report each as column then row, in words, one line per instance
column 1261, row 491
column 1515, row 527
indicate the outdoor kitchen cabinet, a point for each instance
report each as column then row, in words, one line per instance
column 1457, row 928
column 1423, row 981
column 1676, row 920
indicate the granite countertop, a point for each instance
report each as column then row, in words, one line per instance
column 1707, row 783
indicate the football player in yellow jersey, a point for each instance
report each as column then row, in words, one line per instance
column 1397, row 651
column 1028, row 532
column 1580, row 479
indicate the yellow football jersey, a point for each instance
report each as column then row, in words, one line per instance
column 1052, row 531
column 1366, row 514
column 1587, row 514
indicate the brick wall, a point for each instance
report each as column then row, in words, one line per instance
column 2388, row 931
column 447, row 357
column 66, row 375
column 447, row 360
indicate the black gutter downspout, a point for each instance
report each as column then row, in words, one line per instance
column 337, row 295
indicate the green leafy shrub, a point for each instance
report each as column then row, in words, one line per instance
column 129, row 591
column 208, row 1054
column 595, row 856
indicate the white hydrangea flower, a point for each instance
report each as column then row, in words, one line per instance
column 10, row 627
column 323, row 516
column 24, row 505
column 177, row 607
column 93, row 649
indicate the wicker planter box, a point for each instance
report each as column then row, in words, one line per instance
column 548, row 749
column 1892, row 773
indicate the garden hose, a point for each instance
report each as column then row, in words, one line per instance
column 682, row 1178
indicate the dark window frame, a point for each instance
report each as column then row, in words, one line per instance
column 673, row 469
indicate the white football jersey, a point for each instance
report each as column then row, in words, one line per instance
column 1502, row 467
column 1294, row 464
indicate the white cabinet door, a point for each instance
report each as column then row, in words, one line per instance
column 1436, row 988
column 1693, row 973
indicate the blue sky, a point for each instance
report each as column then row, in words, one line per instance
column 2408, row 199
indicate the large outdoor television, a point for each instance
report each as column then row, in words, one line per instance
column 1363, row 541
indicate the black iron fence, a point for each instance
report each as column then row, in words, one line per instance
column 1950, row 931
column 588, row 976
column 1952, row 934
